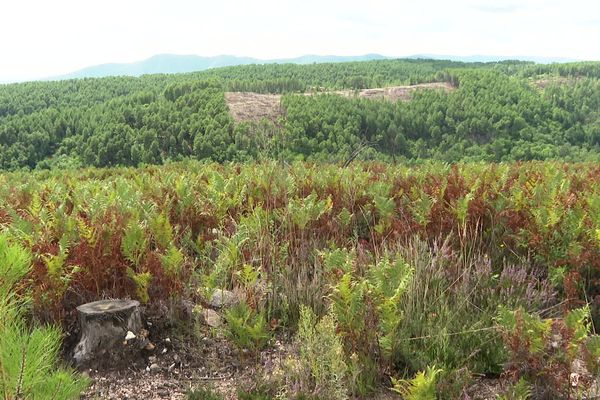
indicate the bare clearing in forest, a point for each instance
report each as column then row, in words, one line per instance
column 253, row 107
column 249, row 106
column 395, row 93
column 554, row 80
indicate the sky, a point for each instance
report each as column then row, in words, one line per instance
column 44, row 38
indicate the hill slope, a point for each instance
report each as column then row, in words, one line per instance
column 496, row 112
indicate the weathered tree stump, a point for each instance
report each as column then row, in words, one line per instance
column 104, row 325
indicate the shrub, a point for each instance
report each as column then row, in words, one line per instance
column 449, row 307
column 546, row 352
column 319, row 370
column 368, row 312
column 28, row 356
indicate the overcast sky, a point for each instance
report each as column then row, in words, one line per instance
column 42, row 38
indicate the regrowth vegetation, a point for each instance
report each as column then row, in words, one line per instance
column 389, row 271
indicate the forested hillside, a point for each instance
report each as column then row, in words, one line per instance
column 497, row 112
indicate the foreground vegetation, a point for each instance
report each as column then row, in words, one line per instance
column 413, row 278
column 498, row 112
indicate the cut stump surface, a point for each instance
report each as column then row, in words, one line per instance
column 104, row 325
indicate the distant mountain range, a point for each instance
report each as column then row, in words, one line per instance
column 171, row 63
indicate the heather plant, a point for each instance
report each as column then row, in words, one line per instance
column 449, row 308
column 318, row 371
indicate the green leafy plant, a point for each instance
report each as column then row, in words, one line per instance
column 134, row 245
column 247, row 329
column 518, row 391
column 421, row 387
column 142, row 282
column 368, row 314
column 162, row 231
column 172, row 262
column 203, row 393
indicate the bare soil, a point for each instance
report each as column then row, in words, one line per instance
column 253, row 107
column 396, row 93
column 189, row 354
column 560, row 80
column 178, row 365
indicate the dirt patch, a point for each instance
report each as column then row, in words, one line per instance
column 396, row 93
column 253, row 107
column 207, row 359
column 558, row 80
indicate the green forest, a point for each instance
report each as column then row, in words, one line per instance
column 502, row 111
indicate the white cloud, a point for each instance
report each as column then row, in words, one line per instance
column 42, row 38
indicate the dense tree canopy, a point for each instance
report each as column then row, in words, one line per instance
column 498, row 111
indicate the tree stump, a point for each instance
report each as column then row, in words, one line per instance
column 104, row 325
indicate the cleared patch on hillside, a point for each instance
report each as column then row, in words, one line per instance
column 396, row 93
column 554, row 80
column 253, row 107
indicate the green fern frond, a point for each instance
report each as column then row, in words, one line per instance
column 172, row 262
column 134, row 243
column 421, row 387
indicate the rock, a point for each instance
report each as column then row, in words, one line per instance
column 130, row 336
column 211, row 318
column 223, row 298
column 154, row 368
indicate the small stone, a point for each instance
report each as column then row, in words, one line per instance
column 152, row 359
column 150, row 346
column 154, row 368
column 164, row 351
column 211, row 318
column 130, row 336
column 168, row 340
column 222, row 298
